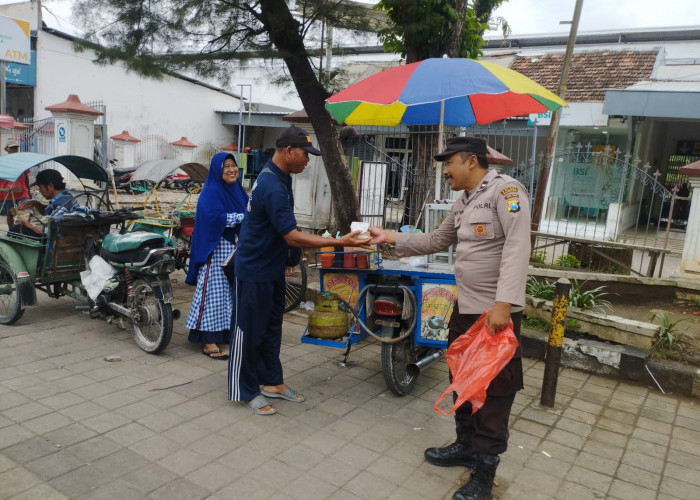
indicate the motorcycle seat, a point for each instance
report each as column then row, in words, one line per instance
column 118, row 243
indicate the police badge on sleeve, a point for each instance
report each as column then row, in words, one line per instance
column 511, row 196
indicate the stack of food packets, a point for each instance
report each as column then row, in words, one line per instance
column 362, row 259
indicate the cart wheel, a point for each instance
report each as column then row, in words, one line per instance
column 395, row 358
column 294, row 287
column 10, row 303
column 154, row 326
column 93, row 200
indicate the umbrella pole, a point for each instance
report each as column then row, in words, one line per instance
column 438, row 167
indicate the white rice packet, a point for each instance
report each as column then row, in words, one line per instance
column 361, row 226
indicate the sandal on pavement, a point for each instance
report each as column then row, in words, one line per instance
column 212, row 354
column 259, row 402
column 288, row 394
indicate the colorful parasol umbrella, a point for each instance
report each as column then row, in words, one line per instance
column 470, row 91
column 461, row 92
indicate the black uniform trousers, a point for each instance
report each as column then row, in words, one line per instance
column 486, row 431
column 256, row 338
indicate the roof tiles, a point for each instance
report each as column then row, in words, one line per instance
column 591, row 73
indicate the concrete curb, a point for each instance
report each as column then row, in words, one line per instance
column 624, row 362
column 612, row 360
column 620, row 330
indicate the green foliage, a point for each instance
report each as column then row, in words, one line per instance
column 567, row 260
column 540, row 325
column 588, row 299
column 617, row 239
column 210, row 37
column 669, row 339
column 426, row 28
column 572, row 325
column 538, row 257
column 534, row 323
column 543, row 289
column 578, row 297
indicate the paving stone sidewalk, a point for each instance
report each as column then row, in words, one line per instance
column 74, row 426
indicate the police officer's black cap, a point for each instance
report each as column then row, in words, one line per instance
column 296, row 138
column 472, row 145
column 48, row 176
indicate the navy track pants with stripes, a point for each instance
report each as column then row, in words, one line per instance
column 256, row 338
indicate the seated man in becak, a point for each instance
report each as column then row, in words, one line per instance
column 53, row 188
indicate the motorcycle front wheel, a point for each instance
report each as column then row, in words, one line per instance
column 153, row 325
column 395, row 358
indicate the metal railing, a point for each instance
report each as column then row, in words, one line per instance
column 609, row 212
column 38, row 137
column 154, row 147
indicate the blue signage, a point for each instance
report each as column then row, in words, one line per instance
column 24, row 74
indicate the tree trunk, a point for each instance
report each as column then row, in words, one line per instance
column 284, row 33
column 424, row 147
column 454, row 44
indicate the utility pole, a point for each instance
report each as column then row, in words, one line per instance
column 543, row 177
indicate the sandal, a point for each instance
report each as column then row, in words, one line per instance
column 288, row 394
column 209, row 354
column 259, row 402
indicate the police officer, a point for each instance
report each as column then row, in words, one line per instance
column 490, row 223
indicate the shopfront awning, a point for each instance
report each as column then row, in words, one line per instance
column 680, row 100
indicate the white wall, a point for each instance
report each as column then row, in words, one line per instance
column 260, row 74
column 170, row 107
column 25, row 11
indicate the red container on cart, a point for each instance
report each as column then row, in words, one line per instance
column 349, row 257
column 362, row 260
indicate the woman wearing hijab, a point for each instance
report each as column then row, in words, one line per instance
column 220, row 209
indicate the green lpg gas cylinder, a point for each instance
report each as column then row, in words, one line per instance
column 327, row 321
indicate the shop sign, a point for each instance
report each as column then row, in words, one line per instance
column 14, row 40
column 21, row 73
column 577, row 114
column 688, row 148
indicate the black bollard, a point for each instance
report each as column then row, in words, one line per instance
column 552, row 359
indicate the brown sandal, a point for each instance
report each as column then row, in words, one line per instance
column 209, row 354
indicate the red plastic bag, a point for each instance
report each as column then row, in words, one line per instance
column 474, row 360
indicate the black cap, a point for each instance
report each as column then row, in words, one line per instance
column 472, row 145
column 296, row 138
column 48, row 176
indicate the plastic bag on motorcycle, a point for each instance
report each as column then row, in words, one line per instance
column 474, row 360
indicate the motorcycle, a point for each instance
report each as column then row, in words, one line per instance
column 393, row 313
column 137, row 287
column 123, row 180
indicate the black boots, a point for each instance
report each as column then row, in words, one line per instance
column 457, row 453
column 481, row 481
